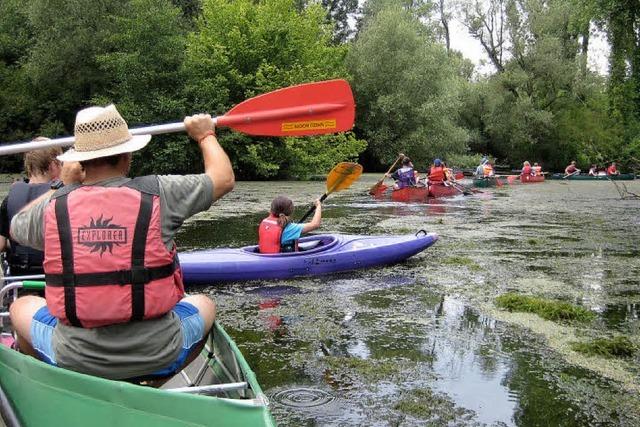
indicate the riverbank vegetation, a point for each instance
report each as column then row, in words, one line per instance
column 159, row 60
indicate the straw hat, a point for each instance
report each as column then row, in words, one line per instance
column 102, row 132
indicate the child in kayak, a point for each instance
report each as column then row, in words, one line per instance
column 278, row 233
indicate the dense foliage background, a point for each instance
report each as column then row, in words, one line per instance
column 159, row 60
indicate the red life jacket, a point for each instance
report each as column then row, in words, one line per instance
column 269, row 234
column 611, row 170
column 105, row 261
column 526, row 170
column 436, row 173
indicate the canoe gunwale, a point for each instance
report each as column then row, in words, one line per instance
column 7, row 413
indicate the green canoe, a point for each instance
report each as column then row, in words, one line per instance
column 585, row 177
column 226, row 393
column 488, row 182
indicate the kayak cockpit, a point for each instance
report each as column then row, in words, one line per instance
column 306, row 245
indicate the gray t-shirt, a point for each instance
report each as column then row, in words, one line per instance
column 128, row 349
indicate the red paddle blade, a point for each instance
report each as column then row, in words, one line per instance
column 306, row 109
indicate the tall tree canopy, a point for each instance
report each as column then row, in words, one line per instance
column 243, row 48
column 407, row 89
column 159, row 60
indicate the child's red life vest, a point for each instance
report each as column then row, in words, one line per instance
column 269, row 234
column 436, row 173
column 105, row 261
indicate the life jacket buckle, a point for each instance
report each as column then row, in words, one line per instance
column 140, row 275
column 68, row 279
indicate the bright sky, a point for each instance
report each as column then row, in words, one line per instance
column 598, row 54
column 471, row 48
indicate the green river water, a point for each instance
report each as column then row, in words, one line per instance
column 422, row 342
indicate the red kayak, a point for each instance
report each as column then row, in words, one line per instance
column 410, row 194
column 417, row 194
column 441, row 190
column 531, row 178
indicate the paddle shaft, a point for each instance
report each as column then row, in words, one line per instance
column 226, row 120
column 313, row 208
column 390, row 169
column 346, row 173
column 571, row 174
column 68, row 140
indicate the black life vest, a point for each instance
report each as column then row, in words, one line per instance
column 23, row 259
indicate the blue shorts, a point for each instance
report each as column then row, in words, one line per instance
column 190, row 319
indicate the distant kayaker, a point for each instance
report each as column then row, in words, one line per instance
column 405, row 176
column 115, row 304
column 278, row 233
column 612, row 170
column 571, row 169
column 43, row 170
column 448, row 173
column 593, row 170
column 536, row 169
column 437, row 172
column 484, row 170
column 526, row 168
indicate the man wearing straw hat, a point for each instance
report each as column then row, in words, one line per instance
column 115, row 304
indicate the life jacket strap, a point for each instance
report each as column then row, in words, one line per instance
column 66, row 252
column 138, row 272
column 120, row 277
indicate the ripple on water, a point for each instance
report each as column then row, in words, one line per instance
column 303, row 397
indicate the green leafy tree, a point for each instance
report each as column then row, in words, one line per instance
column 67, row 37
column 143, row 59
column 407, row 89
column 243, row 48
column 542, row 104
column 18, row 110
column 338, row 13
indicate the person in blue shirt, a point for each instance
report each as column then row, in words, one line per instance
column 278, row 233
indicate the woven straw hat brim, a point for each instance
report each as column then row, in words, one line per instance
column 134, row 144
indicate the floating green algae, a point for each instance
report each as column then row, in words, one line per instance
column 367, row 369
column 461, row 260
column 545, row 308
column 619, row 346
column 425, row 404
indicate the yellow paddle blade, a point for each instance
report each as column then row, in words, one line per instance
column 342, row 176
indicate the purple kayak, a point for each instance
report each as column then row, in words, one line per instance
column 319, row 254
